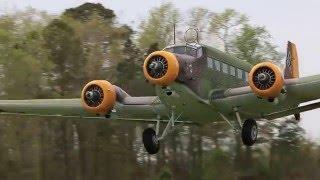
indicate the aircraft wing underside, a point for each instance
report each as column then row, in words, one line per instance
column 297, row 91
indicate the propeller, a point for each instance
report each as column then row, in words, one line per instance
column 264, row 78
column 157, row 66
column 93, row 95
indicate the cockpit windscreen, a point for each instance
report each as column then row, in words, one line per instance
column 189, row 50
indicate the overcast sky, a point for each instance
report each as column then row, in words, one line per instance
column 297, row 21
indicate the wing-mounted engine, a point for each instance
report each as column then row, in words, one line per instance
column 266, row 80
column 161, row 68
column 98, row 97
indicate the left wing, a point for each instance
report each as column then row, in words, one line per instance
column 125, row 106
column 44, row 106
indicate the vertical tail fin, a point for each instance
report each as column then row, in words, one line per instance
column 292, row 64
column 292, row 67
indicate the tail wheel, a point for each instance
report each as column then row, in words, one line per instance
column 249, row 132
column 150, row 141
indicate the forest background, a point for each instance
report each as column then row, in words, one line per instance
column 50, row 56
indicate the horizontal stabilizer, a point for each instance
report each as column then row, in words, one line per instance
column 292, row 111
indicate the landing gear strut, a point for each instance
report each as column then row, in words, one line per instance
column 150, row 137
column 249, row 129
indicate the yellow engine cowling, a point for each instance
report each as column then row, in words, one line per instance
column 98, row 97
column 161, row 68
column 266, row 80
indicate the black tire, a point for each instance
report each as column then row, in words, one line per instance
column 249, row 132
column 150, row 141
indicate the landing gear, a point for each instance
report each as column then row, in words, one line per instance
column 249, row 132
column 150, row 141
column 297, row 116
column 249, row 129
column 150, row 137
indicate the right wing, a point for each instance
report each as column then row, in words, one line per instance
column 290, row 90
column 297, row 91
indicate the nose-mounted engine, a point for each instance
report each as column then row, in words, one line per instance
column 161, row 68
column 98, row 97
column 265, row 79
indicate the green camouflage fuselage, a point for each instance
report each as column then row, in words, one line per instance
column 203, row 100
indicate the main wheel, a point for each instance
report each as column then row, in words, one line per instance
column 150, row 141
column 249, row 132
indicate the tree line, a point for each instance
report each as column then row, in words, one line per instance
column 66, row 148
column 47, row 56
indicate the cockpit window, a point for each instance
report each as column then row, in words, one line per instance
column 192, row 51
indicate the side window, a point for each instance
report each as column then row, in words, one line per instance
column 232, row 71
column 169, row 49
column 199, row 52
column 246, row 75
column 239, row 72
column 224, row 68
column 217, row 65
column 210, row 63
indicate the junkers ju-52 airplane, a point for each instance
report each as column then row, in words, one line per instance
column 193, row 83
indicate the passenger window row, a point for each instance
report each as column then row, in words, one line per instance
column 227, row 69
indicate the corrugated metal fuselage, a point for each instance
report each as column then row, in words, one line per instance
column 213, row 71
column 200, row 98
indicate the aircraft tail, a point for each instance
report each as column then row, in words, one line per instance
column 292, row 67
column 292, row 63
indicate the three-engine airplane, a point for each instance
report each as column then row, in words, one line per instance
column 193, row 83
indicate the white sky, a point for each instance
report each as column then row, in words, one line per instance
column 293, row 20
